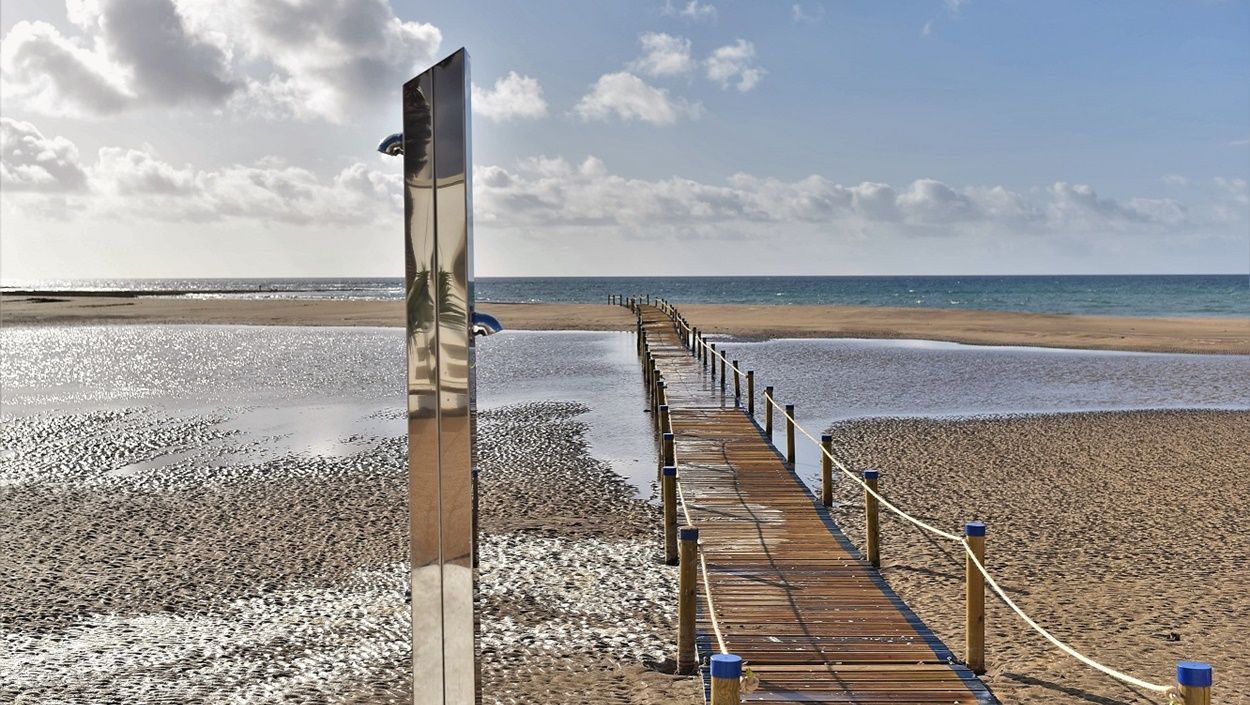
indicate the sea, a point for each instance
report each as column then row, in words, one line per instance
column 1111, row 295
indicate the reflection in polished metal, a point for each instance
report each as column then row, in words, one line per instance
column 393, row 145
column 438, row 255
column 485, row 324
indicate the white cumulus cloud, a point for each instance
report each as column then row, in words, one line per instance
column 513, row 96
column 29, row 161
column 628, row 97
column 734, row 64
column 664, row 55
column 306, row 59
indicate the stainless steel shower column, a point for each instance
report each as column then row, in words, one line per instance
column 438, row 252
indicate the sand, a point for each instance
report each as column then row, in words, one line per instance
column 1195, row 335
column 285, row 580
column 1123, row 533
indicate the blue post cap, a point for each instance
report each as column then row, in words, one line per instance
column 726, row 666
column 668, row 436
column 663, row 407
column 790, row 409
column 974, row 528
column 669, row 471
column 1194, row 674
column 872, row 474
column 826, row 438
column 688, row 533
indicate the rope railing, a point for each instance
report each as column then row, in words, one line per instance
column 1172, row 692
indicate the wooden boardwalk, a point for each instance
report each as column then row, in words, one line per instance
column 792, row 597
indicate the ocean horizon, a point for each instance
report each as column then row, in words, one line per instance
column 1220, row 295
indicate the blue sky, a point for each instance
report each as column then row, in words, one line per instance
column 233, row 138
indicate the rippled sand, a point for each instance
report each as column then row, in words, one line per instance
column 1124, row 533
column 195, row 514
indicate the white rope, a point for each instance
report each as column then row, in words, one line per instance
column 707, row 587
column 846, row 471
column 1052, row 639
column 1169, row 690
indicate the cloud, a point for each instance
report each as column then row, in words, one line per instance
column 1175, row 180
column 692, row 10
column 551, row 192
column 46, row 175
column 1239, row 143
column 136, row 184
column 955, row 6
column 735, row 62
column 810, row 15
column 169, row 64
column 53, row 74
column 31, row 162
column 628, row 97
column 663, row 55
column 307, row 59
column 513, row 96
column 327, row 57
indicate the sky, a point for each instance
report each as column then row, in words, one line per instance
column 236, row 138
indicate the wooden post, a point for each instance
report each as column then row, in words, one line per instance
column 974, row 624
column 668, row 491
column 687, row 577
column 751, row 393
column 662, row 391
column 1194, row 679
column 768, row 413
column 712, row 355
column 722, row 372
column 826, row 470
column 737, row 382
column 726, row 679
column 872, row 530
column 668, row 450
column 664, row 422
column 790, row 434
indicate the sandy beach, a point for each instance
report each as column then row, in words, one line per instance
column 163, row 538
column 1123, row 533
column 1196, row 335
column 151, row 495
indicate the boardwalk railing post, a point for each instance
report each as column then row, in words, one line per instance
column 826, row 470
column 722, row 372
column 751, row 393
column 768, row 413
column 664, row 422
column 790, row 433
column 872, row 530
column 687, row 576
column 974, row 625
column 713, row 356
column 726, row 679
column 668, row 452
column 661, row 398
column 668, row 492
column 737, row 382
column 1194, row 680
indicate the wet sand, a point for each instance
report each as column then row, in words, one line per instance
column 1197, row 335
column 285, row 580
column 1123, row 533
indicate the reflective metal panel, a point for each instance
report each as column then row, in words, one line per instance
column 438, row 251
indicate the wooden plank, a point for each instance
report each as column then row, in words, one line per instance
column 792, row 596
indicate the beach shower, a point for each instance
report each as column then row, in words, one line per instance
column 441, row 327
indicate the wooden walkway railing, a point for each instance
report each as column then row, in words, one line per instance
column 780, row 585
